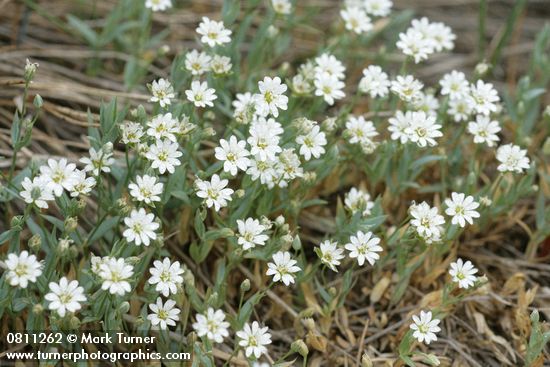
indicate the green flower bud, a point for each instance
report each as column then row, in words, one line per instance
column 245, row 285
column 70, row 224
column 124, row 307
column 298, row 346
column 35, row 243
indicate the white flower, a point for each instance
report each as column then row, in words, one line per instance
column 358, row 200
column 364, row 246
column 413, row 43
column 131, row 133
column 483, row 97
column 212, row 325
column 158, row 5
column 244, row 105
column 400, row 126
column 162, row 92
column 37, row 192
column 442, row 37
column 115, row 274
column 146, row 189
column 213, row 33
column 426, row 220
column 379, row 8
column 163, row 127
column 462, row 208
column 59, row 175
column 512, row 158
column 423, row 129
column 214, row 192
column 263, row 170
column 163, row 315
column 254, row 339
column 164, row 155
column 330, row 254
column 271, row 97
column 407, row 88
column 359, row 129
column 282, row 268
column 200, row 94
column 234, row 155
column 463, row 273
column 82, row 185
column 22, row 269
column 251, row 233
column 375, row 82
column 197, row 62
column 99, row 161
column 356, row 20
column 328, row 64
column 264, row 140
column 455, row 85
column 166, row 276
column 288, row 167
column 329, row 87
column 65, row 296
column 141, row 227
column 312, row 144
column 220, row 64
column 425, row 328
column 460, row 109
column 427, row 103
column 281, row 6
column 484, row 130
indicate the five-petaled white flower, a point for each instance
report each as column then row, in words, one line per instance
column 59, row 175
column 146, row 189
column 65, row 296
column 166, row 275
column 162, row 92
column 483, row 98
column 463, row 273
column 37, row 192
column 22, row 269
column 426, row 220
column 158, row 5
column 99, row 161
column 164, row 155
column 282, row 268
column 423, row 129
column 115, row 274
column 330, row 254
column 233, row 154
column 425, row 327
column 197, row 62
column 163, row 315
column 312, row 143
column 356, row 20
column 214, row 192
column 213, row 33
column 163, row 127
column 251, row 233
column 329, row 87
column 254, row 339
column 200, row 94
column 484, row 130
column 141, row 227
column 271, row 97
column 462, row 208
column 358, row 200
column 364, row 246
column 512, row 158
column 375, row 82
column 212, row 325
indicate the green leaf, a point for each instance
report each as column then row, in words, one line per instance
column 103, row 228
column 85, row 31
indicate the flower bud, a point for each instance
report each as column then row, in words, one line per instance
column 208, row 132
column 124, row 307
column 239, row 193
column 189, row 279
column 37, row 309
column 133, row 260
column 245, row 285
column 17, row 222
column 210, row 115
column 329, row 124
column 38, row 102
column 213, row 299
column 296, row 244
column 309, row 323
column 298, row 346
column 30, row 70
column 482, row 68
column 332, row 291
column 280, row 220
column 74, row 323
column 35, row 243
column 70, row 224
column 272, row 31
